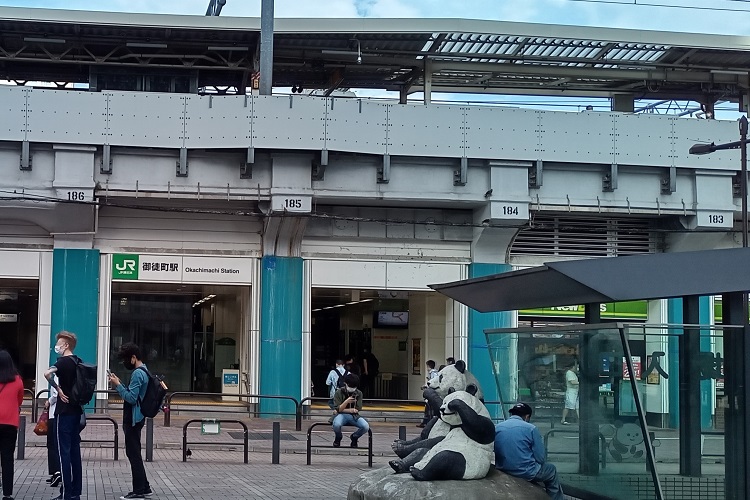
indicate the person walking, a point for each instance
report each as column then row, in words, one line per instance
column 68, row 416
column 571, row 392
column 53, row 455
column 132, row 418
column 11, row 398
column 519, row 451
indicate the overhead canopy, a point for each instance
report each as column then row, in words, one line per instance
column 464, row 55
column 637, row 277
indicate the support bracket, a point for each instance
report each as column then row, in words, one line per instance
column 319, row 167
column 460, row 175
column 609, row 180
column 384, row 171
column 535, row 175
column 26, row 158
column 246, row 167
column 106, row 165
column 669, row 181
column 182, row 163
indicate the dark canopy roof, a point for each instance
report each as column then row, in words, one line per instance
column 654, row 276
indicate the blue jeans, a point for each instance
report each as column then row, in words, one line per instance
column 343, row 419
column 69, row 447
column 548, row 475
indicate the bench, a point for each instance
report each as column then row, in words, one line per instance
column 310, row 446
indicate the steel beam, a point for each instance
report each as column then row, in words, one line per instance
column 690, row 390
column 266, row 47
column 588, row 395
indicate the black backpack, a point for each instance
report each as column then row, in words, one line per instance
column 340, row 382
column 153, row 400
column 85, row 383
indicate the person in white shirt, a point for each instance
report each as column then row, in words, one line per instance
column 571, row 392
column 431, row 374
column 335, row 380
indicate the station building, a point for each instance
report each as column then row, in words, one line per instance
column 149, row 193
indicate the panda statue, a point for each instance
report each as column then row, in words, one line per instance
column 450, row 379
column 466, row 451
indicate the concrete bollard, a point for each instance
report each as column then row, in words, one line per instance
column 276, row 445
column 21, row 452
column 149, row 440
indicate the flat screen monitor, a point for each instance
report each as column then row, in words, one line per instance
column 391, row 319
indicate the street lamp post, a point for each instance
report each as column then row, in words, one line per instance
column 703, row 149
column 736, row 348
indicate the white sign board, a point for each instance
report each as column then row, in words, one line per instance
column 285, row 203
column 216, row 270
column 179, row 269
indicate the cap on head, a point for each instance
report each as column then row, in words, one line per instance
column 521, row 409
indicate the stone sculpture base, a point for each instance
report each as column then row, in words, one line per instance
column 383, row 484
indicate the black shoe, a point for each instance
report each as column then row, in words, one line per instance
column 52, row 477
column 421, row 425
column 147, row 493
column 56, row 480
column 132, row 495
column 336, row 443
column 5, row 497
column 354, row 443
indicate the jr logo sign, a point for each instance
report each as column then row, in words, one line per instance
column 124, row 267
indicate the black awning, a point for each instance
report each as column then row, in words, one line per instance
column 637, row 277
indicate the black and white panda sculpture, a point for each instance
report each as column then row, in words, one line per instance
column 466, row 451
column 450, row 379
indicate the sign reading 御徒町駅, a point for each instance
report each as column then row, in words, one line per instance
column 178, row 269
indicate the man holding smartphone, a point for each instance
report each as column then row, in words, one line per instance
column 133, row 419
column 347, row 401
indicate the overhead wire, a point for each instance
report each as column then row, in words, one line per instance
column 640, row 3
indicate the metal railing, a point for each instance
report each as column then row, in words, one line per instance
column 116, row 436
column 224, row 443
column 602, row 445
column 35, row 406
column 310, row 446
column 169, row 404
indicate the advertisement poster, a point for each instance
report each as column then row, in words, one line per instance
column 636, row 368
column 416, row 357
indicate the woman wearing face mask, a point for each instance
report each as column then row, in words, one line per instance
column 347, row 402
column 11, row 397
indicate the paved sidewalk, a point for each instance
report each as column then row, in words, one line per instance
column 214, row 471
column 215, row 475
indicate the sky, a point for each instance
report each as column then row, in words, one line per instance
column 722, row 16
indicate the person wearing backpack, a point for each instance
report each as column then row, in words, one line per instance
column 67, row 415
column 335, row 381
column 132, row 418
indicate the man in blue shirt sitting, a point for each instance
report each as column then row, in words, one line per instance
column 519, row 451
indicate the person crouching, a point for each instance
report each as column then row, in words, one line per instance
column 347, row 401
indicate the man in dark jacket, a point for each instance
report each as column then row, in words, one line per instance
column 347, row 401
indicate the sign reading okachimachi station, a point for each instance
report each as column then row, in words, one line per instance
column 177, row 268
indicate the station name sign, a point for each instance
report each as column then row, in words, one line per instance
column 181, row 269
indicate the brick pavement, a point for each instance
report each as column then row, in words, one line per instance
column 214, row 472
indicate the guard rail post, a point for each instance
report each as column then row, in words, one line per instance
column 298, row 417
column 276, row 443
column 402, row 432
column 21, row 452
column 149, row 440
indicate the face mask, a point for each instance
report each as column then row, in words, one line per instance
column 59, row 350
column 350, row 389
column 128, row 365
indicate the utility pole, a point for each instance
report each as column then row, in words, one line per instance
column 266, row 47
column 214, row 7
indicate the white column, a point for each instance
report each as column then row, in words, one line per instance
column 44, row 320
column 105, row 321
column 253, row 369
column 306, row 326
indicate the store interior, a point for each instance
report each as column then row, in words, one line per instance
column 19, row 318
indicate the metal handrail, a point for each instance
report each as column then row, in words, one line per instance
column 37, row 400
column 602, row 450
column 310, row 446
column 185, row 441
column 297, row 408
column 115, row 440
